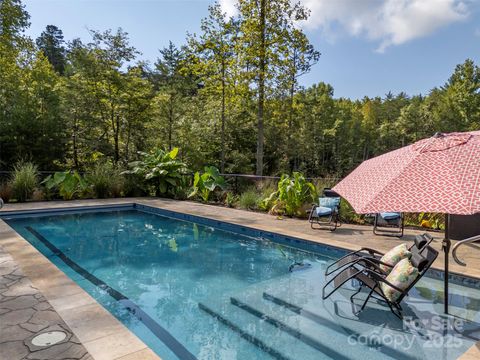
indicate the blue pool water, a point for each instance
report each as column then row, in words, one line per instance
column 194, row 291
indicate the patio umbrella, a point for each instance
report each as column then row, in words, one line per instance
column 440, row 174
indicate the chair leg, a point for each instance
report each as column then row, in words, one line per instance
column 365, row 302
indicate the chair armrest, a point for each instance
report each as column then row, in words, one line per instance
column 372, row 251
column 314, row 206
column 375, row 263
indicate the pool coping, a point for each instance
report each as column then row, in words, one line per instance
column 112, row 340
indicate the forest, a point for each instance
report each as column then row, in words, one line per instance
column 229, row 97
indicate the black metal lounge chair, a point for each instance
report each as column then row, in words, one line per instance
column 419, row 242
column 326, row 214
column 388, row 224
column 368, row 274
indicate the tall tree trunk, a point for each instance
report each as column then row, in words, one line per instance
column 127, row 144
column 261, row 87
column 290, row 150
column 170, row 124
column 117, row 139
column 75, row 145
column 222, row 155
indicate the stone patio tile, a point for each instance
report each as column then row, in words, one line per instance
column 64, row 289
column 13, row 333
column 90, row 322
column 14, row 350
column 24, row 312
column 72, row 301
column 145, row 354
column 16, row 317
column 472, row 354
column 20, row 302
column 59, row 352
column 22, row 287
column 115, row 345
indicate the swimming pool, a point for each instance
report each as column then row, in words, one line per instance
column 194, row 288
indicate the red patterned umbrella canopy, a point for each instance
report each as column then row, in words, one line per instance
column 440, row 174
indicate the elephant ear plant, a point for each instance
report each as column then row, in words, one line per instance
column 161, row 169
column 68, row 184
column 206, row 183
column 293, row 193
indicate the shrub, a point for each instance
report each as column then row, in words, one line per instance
column 24, row 180
column 250, row 199
column 180, row 192
column 6, row 191
column 106, row 180
column 133, row 186
column 38, row 195
column 230, row 199
column 161, row 169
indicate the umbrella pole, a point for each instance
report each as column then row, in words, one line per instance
column 446, row 249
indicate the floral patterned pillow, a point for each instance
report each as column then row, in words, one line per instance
column 392, row 257
column 402, row 275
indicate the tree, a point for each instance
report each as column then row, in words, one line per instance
column 13, row 22
column 214, row 49
column 52, row 45
column 300, row 59
column 266, row 28
column 173, row 87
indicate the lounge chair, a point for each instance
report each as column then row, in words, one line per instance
column 326, row 215
column 368, row 273
column 388, row 224
column 419, row 242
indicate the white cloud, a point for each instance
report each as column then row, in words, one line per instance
column 387, row 22
column 228, row 7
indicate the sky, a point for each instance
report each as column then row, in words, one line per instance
column 368, row 47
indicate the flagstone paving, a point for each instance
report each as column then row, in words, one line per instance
column 24, row 314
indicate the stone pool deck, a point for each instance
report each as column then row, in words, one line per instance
column 104, row 337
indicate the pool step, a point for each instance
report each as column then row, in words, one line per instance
column 312, row 321
column 274, row 341
column 320, row 334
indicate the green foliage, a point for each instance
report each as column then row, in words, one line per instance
column 235, row 83
column 231, row 199
column 349, row 215
column 293, row 195
column 161, row 169
column 6, row 191
column 426, row 220
column 106, row 180
column 205, row 184
column 250, row 199
column 68, row 184
column 24, row 180
column 51, row 43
